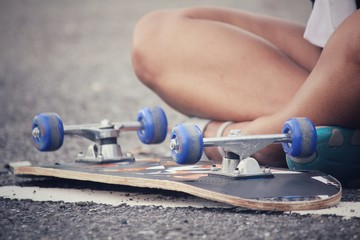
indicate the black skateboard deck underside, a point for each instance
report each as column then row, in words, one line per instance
column 285, row 191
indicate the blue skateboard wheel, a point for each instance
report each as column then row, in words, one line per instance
column 47, row 132
column 186, row 144
column 154, row 125
column 303, row 137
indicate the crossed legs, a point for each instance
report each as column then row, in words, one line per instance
column 257, row 71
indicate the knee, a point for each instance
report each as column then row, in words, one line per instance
column 148, row 44
column 348, row 36
column 352, row 47
column 142, row 40
column 152, row 42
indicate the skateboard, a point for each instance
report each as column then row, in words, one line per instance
column 238, row 180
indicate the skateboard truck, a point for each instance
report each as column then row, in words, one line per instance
column 48, row 135
column 238, row 148
column 298, row 138
column 105, row 147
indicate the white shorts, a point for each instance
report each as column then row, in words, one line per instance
column 325, row 17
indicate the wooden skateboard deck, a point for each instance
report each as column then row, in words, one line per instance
column 285, row 191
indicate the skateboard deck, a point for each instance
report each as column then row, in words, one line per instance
column 285, row 190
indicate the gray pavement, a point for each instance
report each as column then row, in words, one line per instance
column 73, row 58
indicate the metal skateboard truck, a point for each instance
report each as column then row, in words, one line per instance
column 298, row 139
column 48, row 134
column 275, row 190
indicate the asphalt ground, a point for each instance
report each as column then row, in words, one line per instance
column 73, row 58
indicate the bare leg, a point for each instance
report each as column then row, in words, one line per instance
column 331, row 93
column 245, row 72
column 243, row 65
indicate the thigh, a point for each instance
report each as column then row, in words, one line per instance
column 285, row 35
column 219, row 63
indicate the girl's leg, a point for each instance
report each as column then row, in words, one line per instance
column 247, row 72
column 222, row 64
column 331, row 93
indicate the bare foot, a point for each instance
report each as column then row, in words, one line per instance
column 272, row 155
column 211, row 131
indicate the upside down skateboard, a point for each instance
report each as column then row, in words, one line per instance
column 238, row 180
